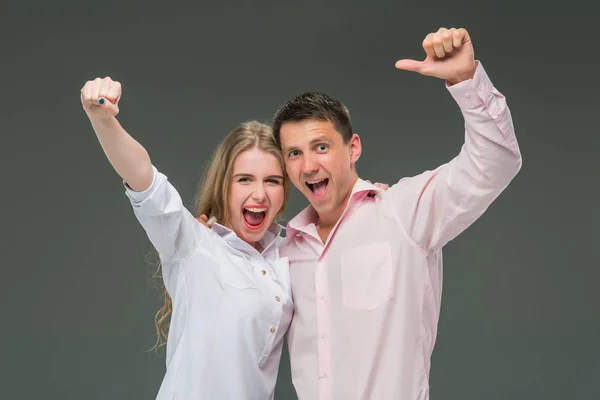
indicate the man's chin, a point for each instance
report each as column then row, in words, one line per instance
column 321, row 207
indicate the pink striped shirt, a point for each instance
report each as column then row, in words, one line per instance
column 367, row 301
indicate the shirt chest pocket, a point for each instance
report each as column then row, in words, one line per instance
column 236, row 272
column 367, row 273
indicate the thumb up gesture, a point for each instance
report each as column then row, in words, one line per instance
column 449, row 56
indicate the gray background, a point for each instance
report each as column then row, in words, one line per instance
column 520, row 306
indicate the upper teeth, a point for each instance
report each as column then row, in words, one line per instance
column 313, row 182
column 254, row 209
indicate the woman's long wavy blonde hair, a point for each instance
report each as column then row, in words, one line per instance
column 212, row 198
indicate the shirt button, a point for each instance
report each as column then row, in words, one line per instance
column 277, row 298
column 263, row 272
column 272, row 330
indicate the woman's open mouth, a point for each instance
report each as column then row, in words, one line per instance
column 254, row 216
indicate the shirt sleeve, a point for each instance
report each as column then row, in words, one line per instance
column 436, row 206
column 170, row 227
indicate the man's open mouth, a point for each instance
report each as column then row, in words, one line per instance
column 318, row 186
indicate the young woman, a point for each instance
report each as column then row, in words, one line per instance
column 228, row 291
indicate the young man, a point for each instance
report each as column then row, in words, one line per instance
column 366, row 271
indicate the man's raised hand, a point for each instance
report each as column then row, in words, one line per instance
column 449, row 56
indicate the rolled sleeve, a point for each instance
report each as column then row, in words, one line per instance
column 137, row 198
column 170, row 227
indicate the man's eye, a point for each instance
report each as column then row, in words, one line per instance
column 322, row 147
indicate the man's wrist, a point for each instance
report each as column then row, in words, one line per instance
column 463, row 76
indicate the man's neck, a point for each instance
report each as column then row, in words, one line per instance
column 327, row 220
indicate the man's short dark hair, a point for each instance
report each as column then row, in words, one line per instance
column 317, row 106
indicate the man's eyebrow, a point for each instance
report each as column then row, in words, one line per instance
column 321, row 138
column 286, row 150
column 318, row 139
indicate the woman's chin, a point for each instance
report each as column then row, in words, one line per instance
column 253, row 234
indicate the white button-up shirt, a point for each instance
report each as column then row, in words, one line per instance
column 231, row 304
column 367, row 302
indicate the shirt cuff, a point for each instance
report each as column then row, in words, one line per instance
column 138, row 197
column 473, row 92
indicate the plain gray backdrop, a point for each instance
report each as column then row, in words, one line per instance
column 520, row 303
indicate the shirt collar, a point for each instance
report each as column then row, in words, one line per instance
column 308, row 216
column 234, row 240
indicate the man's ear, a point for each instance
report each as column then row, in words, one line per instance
column 355, row 148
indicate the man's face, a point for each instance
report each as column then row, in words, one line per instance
column 319, row 163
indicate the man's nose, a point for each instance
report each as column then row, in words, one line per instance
column 309, row 166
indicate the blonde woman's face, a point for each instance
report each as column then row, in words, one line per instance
column 256, row 194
